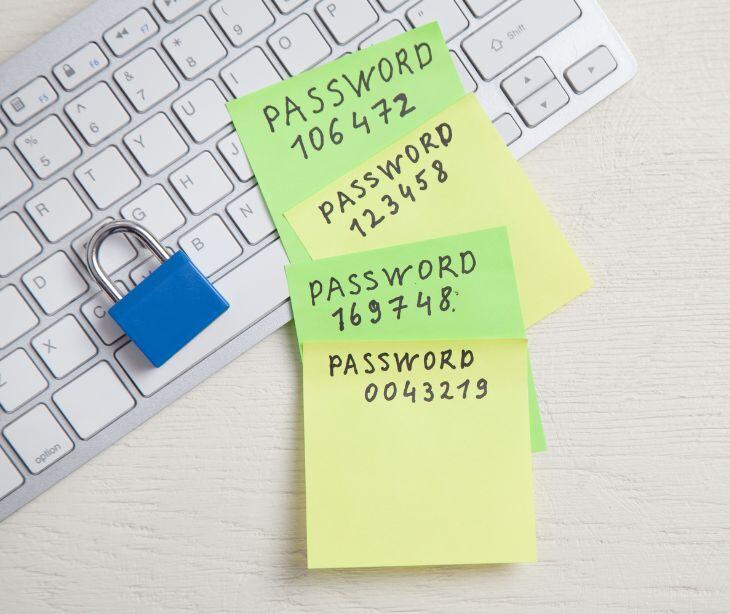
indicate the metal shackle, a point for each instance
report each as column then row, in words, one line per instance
column 108, row 229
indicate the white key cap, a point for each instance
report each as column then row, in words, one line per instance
column 29, row 100
column 93, row 400
column 253, row 289
column 252, row 71
column 80, row 66
column 250, row 214
column 107, row 177
column 130, row 32
column 156, row 144
column 10, row 477
column 449, row 16
column 202, row 111
column 390, row 5
column 345, row 19
column 241, row 21
column 299, row 45
column 156, row 211
column 527, row 80
column 595, row 67
column 466, row 79
column 194, row 47
column 507, row 128
column 172, row 9
column 47, row 147
column 97, row 113
column 2, row 130
column 287, row 6
column 15, row 314
column 64, row 346
column 146, row 80
column 57, row 210
column 391, row 29
column 510, row 36
column 482, row 7
column 17, row 244
column 211, row 246
column 55, row 282
column 95, row 311
column 201, row 183
column 543, row 103
column 15, row 182
column 20, row 380
column 38, row 439
column 114, row 253
column 231, row 149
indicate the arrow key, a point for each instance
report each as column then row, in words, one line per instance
column 594, row 67
column 543, row 103
column 527, row 80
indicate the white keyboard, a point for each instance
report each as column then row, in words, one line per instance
column 119, row 113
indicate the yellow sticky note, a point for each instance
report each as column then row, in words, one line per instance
column 417, row 453
column 451, row 175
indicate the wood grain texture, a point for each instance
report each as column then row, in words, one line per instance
column 202, row 509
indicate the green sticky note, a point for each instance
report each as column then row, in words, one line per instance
column 452, row 288
column 305, row 132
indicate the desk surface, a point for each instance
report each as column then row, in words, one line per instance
column 202, row 509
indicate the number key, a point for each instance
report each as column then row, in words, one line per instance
column 47, row 147
column 145, row 80
column 97, row 113
column 194, row 47
column 241, row 22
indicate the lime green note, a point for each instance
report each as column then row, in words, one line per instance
column 305, row 132
column 417, row 453
column 451, row 175
column 452, row 288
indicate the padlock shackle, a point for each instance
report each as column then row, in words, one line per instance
column 108, row 229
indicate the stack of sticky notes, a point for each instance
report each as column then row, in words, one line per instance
column 419, row 252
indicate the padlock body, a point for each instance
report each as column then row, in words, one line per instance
column 168, row 309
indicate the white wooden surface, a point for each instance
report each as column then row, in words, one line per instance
column 202, row 509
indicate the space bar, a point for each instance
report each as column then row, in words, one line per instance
column 253, row 289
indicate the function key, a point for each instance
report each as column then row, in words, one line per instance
column 172, row 9
column 80, row 66
column 130, row 32
column 29, row 100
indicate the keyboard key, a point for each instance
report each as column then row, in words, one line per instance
column 156, row 211
column 299, row 45
column 287, row 6
column 57, row 210
column 20, row 380
column 507, row 128
column 201, row 183
column 527, row 80
column 543, row 103
column 449, row 16
column 54, row 283
column 38, row 439
column 194, row 47
column 202, row 111
column 241, row 21
column 80, row 66
column 115, row 252
column 210, row 245
column 523, row 27
column 252, row 71
column 172, row 9
column 231, row 149
column 15, row 182
column 64, row 346
column 17, row 244
column 345, row 19
column 29, row 100
column 466, row 79
column 595, row 67
column 47, row 147
column 391, row 29
column 95, row 311
column 155, row 144
column 146, row 80
column 10, row 478
column 107, row 177
column 130, row 32
column 2, row 130
column 250, row 214
column 97, row 113
column 15, row 314
column 93, row 400
column 253, row 289
column 482, row 7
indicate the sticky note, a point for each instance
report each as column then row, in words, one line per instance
column 305, row 132
column 459, row 287
column 417, row 453
column 450, row 175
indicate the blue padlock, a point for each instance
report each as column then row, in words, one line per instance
column 167, row 309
